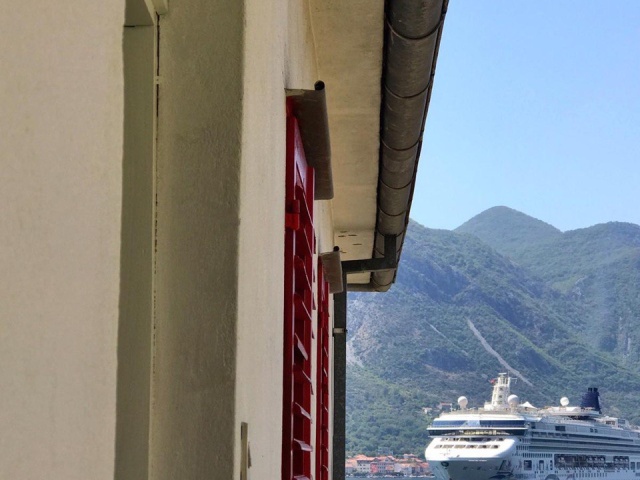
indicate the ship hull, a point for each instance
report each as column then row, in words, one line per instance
column 497, row 469
column 457, row 469
column 509, row 440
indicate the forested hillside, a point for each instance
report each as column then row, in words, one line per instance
column 597, row 268
column 504, row 292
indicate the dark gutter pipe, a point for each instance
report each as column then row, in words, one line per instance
column 413, row 29
column 339, row 381
column 387, row 263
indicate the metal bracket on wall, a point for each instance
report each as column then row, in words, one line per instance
column 388, row 262
column 245, row 454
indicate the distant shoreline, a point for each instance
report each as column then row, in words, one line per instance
column 387, row 476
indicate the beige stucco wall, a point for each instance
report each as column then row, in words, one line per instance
column 258, row 399
column 60, row 197
column 279, row 54
column 219, row 284
column 219, row 308
column 135, row 325
column 198, row 182
column 215, row 355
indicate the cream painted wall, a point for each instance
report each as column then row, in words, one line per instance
column 218, row 298
column 219, row 282
column 60, row 191
column 261, row 240
column 198, row 186
column 279, row 54
column 135, row 325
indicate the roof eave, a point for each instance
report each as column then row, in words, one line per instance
column 413, row 31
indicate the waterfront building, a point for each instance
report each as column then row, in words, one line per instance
column 408, row 465
column 350, row 466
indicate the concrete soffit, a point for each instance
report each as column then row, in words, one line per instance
column 378, row 65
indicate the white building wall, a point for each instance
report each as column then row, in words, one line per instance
column 60, row 191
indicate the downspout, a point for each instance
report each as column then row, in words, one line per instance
column 339, row 381
column 413, row 29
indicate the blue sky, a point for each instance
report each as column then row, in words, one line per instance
column 536, row 106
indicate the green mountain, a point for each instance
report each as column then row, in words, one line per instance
column 598, row 268
column 504, row 292
column 508, row 230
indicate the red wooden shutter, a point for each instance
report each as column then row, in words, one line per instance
column 322, row 385
column 298, row 308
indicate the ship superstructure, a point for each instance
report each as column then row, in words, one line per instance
column 510, row 440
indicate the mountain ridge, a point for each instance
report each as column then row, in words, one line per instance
column 465, row 307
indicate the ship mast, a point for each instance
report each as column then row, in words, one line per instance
column 501, row 391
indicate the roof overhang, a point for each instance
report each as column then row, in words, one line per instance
column 378, row 67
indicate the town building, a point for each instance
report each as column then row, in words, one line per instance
column 189, row 189
column 406, row 466
column 383, row 465
column 350, row 466
column 363, row 464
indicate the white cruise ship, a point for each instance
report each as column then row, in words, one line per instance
column 509, row 440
